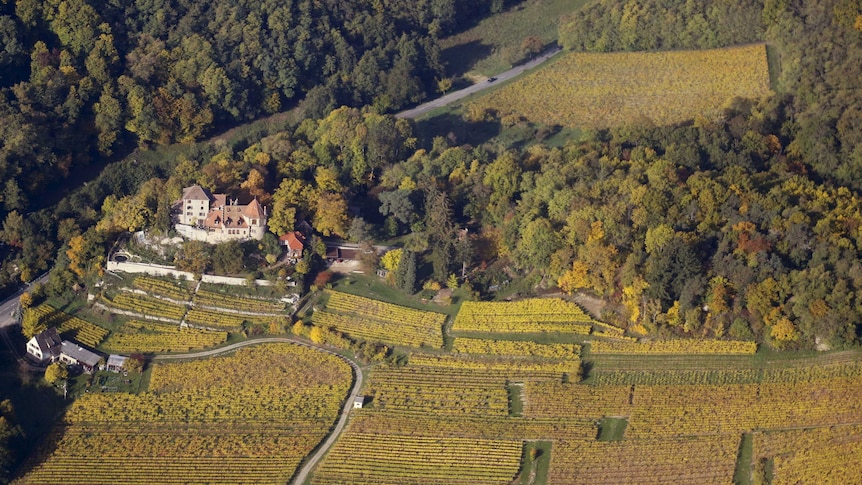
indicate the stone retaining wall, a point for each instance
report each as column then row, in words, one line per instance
column 161, row 270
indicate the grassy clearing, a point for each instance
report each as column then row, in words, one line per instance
column 590, row 90
column 516, row 400
column 742, row 474
column 108, row 382
column 263, row 292
column 537, row 460
column 494, row 44
column 612, row 429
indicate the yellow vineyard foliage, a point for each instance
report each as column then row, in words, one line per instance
column 147, row 337
column 592, row 90
column 676, row 346
column 247, row 418
column 524, row 316
column 70, row 327
column 508, row 347
column 377, row 321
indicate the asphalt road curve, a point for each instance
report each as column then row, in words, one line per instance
column 457, row 95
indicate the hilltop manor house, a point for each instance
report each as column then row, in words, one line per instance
column 214, row 218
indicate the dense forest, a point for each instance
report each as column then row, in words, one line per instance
column 815, row 50
column 83, row 80
column 746, row 225
column 79, row 78
column 639, row 25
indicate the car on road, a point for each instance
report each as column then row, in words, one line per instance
column 491, row 79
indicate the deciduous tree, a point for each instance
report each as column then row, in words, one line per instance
column 56, row 372
column 331, row 216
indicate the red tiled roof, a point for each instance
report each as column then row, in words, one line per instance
column 294, row 240
column 229, row 217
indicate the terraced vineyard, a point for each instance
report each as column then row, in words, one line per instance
column 650, row 412
column 370, row 459
column 539, row 366
column 524, row 316
column 376, row 321
column 247, row 418
column 375, row 421
column 439, row 390
column 701, row 460
column 70, row 327
column 593, row 90
column 674, row 347
column 154, row 286
column 685, row 409
column 152, row 337
column 509, row 347
column 210, row 318
column 820, row 455
column 460, row 403
column 148, row 306
column 242, row 304
column 693, row 409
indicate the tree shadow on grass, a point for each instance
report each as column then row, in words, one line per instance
column 460, row 59
column 457, row 129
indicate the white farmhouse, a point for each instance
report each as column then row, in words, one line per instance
column 45, row 345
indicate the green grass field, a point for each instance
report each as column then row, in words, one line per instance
column 590, row 90
column 612, row 429
column 537, row 457
column 494, row 44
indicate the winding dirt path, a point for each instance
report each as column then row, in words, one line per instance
column 302, row 473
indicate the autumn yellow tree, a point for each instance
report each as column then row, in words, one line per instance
column 331, row 215
column 316, row 335
column 673, row 316
column 25, row 300
column 254, row 184
column 85, row 256
column 390, row 260
column 633, row 298
column 718, row 295
column 56, row 372
column 657, row 237
column 575, row 278
column 784, row 331
column 31, row 324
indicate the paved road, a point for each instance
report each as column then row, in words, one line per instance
column 308, row 466
column 8, row 307
column 456, row 95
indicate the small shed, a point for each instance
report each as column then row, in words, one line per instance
column 358, row 402
column 116, row 363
